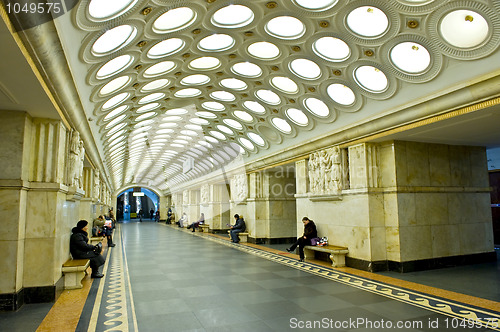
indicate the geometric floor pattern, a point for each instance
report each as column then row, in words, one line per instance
column 162, row 278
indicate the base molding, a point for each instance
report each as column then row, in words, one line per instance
column 27, row 295
column 421, row 265
column 277, row 240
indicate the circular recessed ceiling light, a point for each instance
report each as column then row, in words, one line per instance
column 193, row 127
column 233, row 123
column 246, row 69
column 164, row 131
column 115, row 100
column 257, row 139
column 371, row 78
column 171, row 118
column 114, row 122
column 282, row 125
column 331, row 49
column 114, row 39
column 185, row 93
column 233, row 83
column 151, row 97
column 316, row 4
column 264, row 50
column 246, row 143
column 222, row 96
column 176, row 111
column 115, row 129
column 207, row 115
column 305, row 68
column 297, row 116
column 189, row 132
column 166, row 47
column 213, row 106
column 285, row 27
column 317, row 107
column 243, row 116
column 205, row 63
column 114, row 66
column 254, row 107
column 268, row 96
column 145, row 116
column 148, row 107
column 199, row 121
column 216, row 43
column 367, row 21
column 104, row 9
column 196, row 79
column 143, row 123
column 225, row 129
column 410, row 57
column 218, row 135
column 115, row 112
column 284, row 84
column 115, row 85
column 341, row 94
column 464, row 28
column 232, row 16
column 155, row 85
column 174, row 20
column 159, row 68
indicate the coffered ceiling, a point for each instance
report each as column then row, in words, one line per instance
column 198, row 84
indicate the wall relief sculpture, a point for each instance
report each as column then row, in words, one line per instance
column 205, row 194
column 325, row 172
column 239, row 187
column 76, row 157
column 97, row 184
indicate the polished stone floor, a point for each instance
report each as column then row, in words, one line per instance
column 162, row 278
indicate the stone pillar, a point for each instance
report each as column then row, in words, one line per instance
column 437, row 205
column 192, row 208
column 37, row 206
column 87, row 207
column 217, row 208
column 271, row 206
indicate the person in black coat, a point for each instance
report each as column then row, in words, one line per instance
column 305, row 240
column 237, row 228
column 80, row 248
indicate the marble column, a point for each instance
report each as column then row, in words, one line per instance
column 38, row 206
column 271, row 208
column 216, row 208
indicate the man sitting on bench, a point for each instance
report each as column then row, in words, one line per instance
column 305, row 240
column 237, row 228
column 80, row 248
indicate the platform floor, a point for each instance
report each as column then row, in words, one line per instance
column 163, row 278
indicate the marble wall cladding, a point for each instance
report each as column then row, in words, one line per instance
column 12, row 214
column 39, row 262
column 387, row 165
column 15, row 128
column 416, row 242
column 11, row 269
column 301, row 176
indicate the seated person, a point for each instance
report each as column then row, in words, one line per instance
column 237, row 228
column 305, row 240
column 80, row 248
column 197, row 224
column 182, row 220
column 98, row 227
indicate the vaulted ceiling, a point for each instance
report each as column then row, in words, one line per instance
column 168, row 86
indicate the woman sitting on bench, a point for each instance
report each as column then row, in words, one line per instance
column 80, row 248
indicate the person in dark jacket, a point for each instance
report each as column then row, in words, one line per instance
column 80, row 248
column 237, row 228
column 305, row 240
column 197, row 223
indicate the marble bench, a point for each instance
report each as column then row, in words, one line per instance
column 243, row 236
column 74, row 270
column 204, row 228
column 337, row 253
column 95, row 240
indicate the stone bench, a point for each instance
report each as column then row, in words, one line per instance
column 204, row 228
column 337, row 253
column 74, row 270
column 243, row 236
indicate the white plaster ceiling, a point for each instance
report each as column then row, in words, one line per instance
column 166, row 81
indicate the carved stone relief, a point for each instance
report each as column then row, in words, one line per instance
column 205, row 194
column 239, row 187
column 325, row 172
